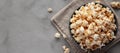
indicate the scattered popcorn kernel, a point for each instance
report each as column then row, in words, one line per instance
column 64, row 47
column 49, row 10
column 57, row 35
column 67, row 50
column 64, row 36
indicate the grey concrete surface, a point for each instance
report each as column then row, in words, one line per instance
column 25, row 26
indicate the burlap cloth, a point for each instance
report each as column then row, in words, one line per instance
column 61, row 23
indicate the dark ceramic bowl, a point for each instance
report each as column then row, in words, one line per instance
column 115, row 32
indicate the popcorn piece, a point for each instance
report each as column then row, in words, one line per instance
column 99, row 22
column 79, row 22
column 85, row 23
column 95, row 28
column 87, row 41
column 72, row 31
column 77, row 39
column 64, row 47
column 57, row 35
column 100, row 16
column 113, row 26
column 92, row 3
column 64, row 36
column 103, row 35
column 113, row 35
column 77, row 12
column 103, row 28
column 98, row 1
column 94, row 14
column 89, row 32
column 89, row 18
column 73, row 19
column 73, row 25
column 115, row 4
column 67, row 50
column 82, row 8
column 90, row 26
column 80, row 30
column 95, row 36
column 49, row 10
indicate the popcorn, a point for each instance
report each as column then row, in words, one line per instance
column 98, row 9
column 102, row 35
column 67, row 50
column 86, row 8
column 89, row 32
column 79, row 22
column 72, row 20
column 115, row 4
column 80, row 30
column 72, row 31
column 64, row 36
column 89, row 18
column 73, row 25
column 64, row 47
column 77, row 12
column 92, row 3
column 95, row 36
column 100, row 16
column 87, row 41
column 77, row 39
column 94, row 14
column 93, row 26
column 90, row 26
column 99, row 22
column 98, row 1
column 112, row 34
column 57, row 35
column 103, row 28
column 84, row 23
column 49, row 10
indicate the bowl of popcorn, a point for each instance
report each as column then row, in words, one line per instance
column 93, row 26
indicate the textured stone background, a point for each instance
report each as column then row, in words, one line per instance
column 25, row 26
